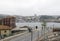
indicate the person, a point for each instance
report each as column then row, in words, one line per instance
column 30, row 29
column 36, row 27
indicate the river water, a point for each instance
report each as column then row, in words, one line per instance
column 33, row 24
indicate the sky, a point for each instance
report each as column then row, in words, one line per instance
column 30, row 7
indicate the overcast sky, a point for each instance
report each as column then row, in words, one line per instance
column 30, row 7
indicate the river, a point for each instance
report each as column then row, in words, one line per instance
column 49, row 24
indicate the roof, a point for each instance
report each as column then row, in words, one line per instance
column 10, row 17
column 3, row 27
column 25, row 27
column 17, row 28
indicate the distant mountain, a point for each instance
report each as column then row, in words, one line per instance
column 3, row 16
column 44, row 17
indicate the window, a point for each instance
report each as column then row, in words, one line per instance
column 5, row 31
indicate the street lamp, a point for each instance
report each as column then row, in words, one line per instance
column 30, row 30
column 38, row 32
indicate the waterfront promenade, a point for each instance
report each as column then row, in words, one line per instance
column 26, row 36
column 33, row 36
column 51, row 36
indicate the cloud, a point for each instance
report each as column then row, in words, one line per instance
column 30, row 7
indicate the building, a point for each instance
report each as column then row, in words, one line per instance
column 5, row 31
column 8, row 21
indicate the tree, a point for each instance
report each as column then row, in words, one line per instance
column 43, row 29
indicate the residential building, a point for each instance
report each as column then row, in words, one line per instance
column 5, row 31
column 8, row 21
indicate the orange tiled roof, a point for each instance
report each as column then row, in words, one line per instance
column 3, row 27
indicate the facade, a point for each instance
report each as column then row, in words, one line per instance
column 5, row 31
column 8, row 21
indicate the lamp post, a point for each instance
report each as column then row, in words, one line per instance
column 38, row 35
column 38, row 32
column 30, row 30
column 32, row 36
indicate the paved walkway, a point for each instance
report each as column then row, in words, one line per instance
column 51, row 37
column 23, row 36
